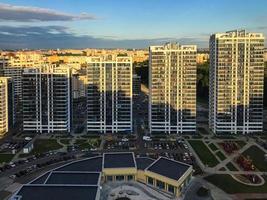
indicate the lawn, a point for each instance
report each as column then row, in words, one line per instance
column 5, row 158
column 229, row 185
column 213, row 147
column 91, row 136
column 88, row 143
column 45, row 145
column 225, row 137
column 231, row 167
column 197, row 136
column 221, row 155
column 257, row 156
column 65, row 141
column 203, row 153
column 241, row 143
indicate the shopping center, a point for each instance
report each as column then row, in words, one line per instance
column 84, row 179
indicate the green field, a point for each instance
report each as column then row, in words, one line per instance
column 221, row 155
column 45, row 145
column 257, row 156
column 213, row 147
column 5, row 158
column 231, row 167
column 65, row 141
column 88, row 143
column 241, row 143
column 229, row 185
column 203, row 153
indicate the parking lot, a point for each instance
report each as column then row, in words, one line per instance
column 120, row 145
column 9, row 146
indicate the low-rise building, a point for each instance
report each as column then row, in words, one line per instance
column 28, row 147
column 84, row 179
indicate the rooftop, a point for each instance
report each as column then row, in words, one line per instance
column 143, row 162
column 41, row 192
column 169, row 168
column 73, row 178
column 89, row 165
column 119, row 160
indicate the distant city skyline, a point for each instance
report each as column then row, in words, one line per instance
column 123, row 24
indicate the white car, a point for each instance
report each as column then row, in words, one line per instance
column 124, row 139
column 147, row 138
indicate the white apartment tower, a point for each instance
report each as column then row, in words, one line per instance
column 172, row 84
column 46, row 99
column 236, row 82
column 109, row 94
column 6, row 105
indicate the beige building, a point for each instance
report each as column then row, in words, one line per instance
column 163, row 174
column 236, row 82
column 202, row 58
column 265, row 55
column 6, row 105
column 88, row 179
column 172, row 82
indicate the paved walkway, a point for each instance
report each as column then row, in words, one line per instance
column 229, row 158
column 215, row 192
column 111, row 191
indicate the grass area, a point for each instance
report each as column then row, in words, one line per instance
column 45, row 145
column 90, row 136
column 197, row 136
column 229, row 185
column 213, row 147
column 65, row 141
column 241, row 143
column 257, row 156
column 221, row 155
column 82, row 143
column 88, row 143
column 225, row 137
column 203, row 153
column 231, row 167
column 5, row 158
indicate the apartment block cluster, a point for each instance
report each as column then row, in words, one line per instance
column 39, row 88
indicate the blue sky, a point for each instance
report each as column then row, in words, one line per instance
column 123, row 23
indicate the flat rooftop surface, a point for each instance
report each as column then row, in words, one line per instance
column 41, row 179
column 143, row 163
column 169, row 168
column 89, row 165
column 73, row 178
column 32, row 192
column 119, row 160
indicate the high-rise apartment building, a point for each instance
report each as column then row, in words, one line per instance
column 6, row 105
column 172, row 84
column 46, row 99
column 236, row 82
column 109, row 94
column 12, row 65
column 136, row 85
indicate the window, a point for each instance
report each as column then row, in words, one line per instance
column 109, row 178
column 160, row 184
column 130, row 177
column 119, row 178
column 171, row 189
column 150, row 181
